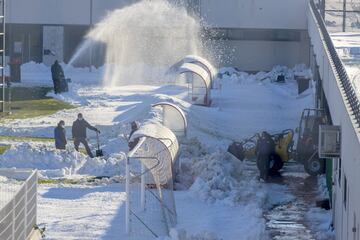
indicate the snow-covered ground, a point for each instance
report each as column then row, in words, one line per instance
column 8, row 188
column 348, row 48
column 221, row 197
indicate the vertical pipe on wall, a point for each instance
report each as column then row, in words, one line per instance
column 344, row 16
column 29, row 47
column 91, row 25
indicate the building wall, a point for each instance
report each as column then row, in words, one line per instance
column 346, row 193
column 263, row 50
column 262, row 14
column 60, row 12
column 260, row 51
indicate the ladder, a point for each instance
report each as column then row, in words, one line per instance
column 2, row 56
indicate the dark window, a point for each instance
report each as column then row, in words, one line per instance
column 253, row 34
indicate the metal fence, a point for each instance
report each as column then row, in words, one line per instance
column 341, row 15
column 338, row 66
column 18, row 205
column 150, row 206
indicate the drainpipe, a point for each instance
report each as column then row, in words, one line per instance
column 91, row 25
column 344, row 15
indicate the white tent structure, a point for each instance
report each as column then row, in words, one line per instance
column 200, row 61
column 154, row 213
column 204, row 63
column 200, row 83
column 173, row 117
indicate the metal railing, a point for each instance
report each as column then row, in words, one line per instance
column 339, row 67
column 154, row 211
column 18, row 215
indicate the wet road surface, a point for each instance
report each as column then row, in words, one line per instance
column 287, row 221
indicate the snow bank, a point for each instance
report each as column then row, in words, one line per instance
column 321, row 220
column 38, row 74
column 299, row 70
column 221, row 182
column 53, row 163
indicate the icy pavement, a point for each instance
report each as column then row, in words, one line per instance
column 295, row 219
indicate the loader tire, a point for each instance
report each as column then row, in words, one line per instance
column 314, row 166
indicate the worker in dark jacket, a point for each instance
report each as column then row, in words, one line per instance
column 134, row 128
column 79, row 133
column 57, row 76
column 60, row 136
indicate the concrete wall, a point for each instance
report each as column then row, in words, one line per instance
column 233, row 14
column 273, row 14
column 346, row 213
column 249, row 55
column 60, row 12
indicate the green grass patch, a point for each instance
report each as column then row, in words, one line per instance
column 26, row 93
column 36, row 108
column 3, row 148
column 58, row 181
column 71, row 181
column 24, row 139
column 29, row 102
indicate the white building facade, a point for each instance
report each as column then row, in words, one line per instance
column 258, row 34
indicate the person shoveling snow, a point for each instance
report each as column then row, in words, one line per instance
column 60, row 136
column 79, row 133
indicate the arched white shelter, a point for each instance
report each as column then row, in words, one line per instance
column 203, row 63
column 201, row 83
column 173, row 117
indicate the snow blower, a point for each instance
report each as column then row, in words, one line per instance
column 99, row 152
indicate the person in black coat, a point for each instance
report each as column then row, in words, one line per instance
column 134, row 142
column 60, row 136
column 57, row 76
column 79, row 133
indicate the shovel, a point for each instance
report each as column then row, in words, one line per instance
column 99, row 152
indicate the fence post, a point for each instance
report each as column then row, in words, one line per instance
column 13, row 218
column 36, row 196
column 127, row 189
column 142, row 195
column 26, row 207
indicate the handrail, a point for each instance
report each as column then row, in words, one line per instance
column 345, row 82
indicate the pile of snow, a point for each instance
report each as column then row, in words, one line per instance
column 53, row 163
column 321, row 222
column 38, row 74
column 221, row 182
column 321, row 219
column 299, row 70
column 216, row 176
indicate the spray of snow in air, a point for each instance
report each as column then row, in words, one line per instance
column 143, row 40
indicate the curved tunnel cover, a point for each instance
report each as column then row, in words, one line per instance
column 173, row 117
column 194, row 68
column 204, row 62
column 160, row 133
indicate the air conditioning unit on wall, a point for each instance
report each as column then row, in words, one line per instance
column 329, row 141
